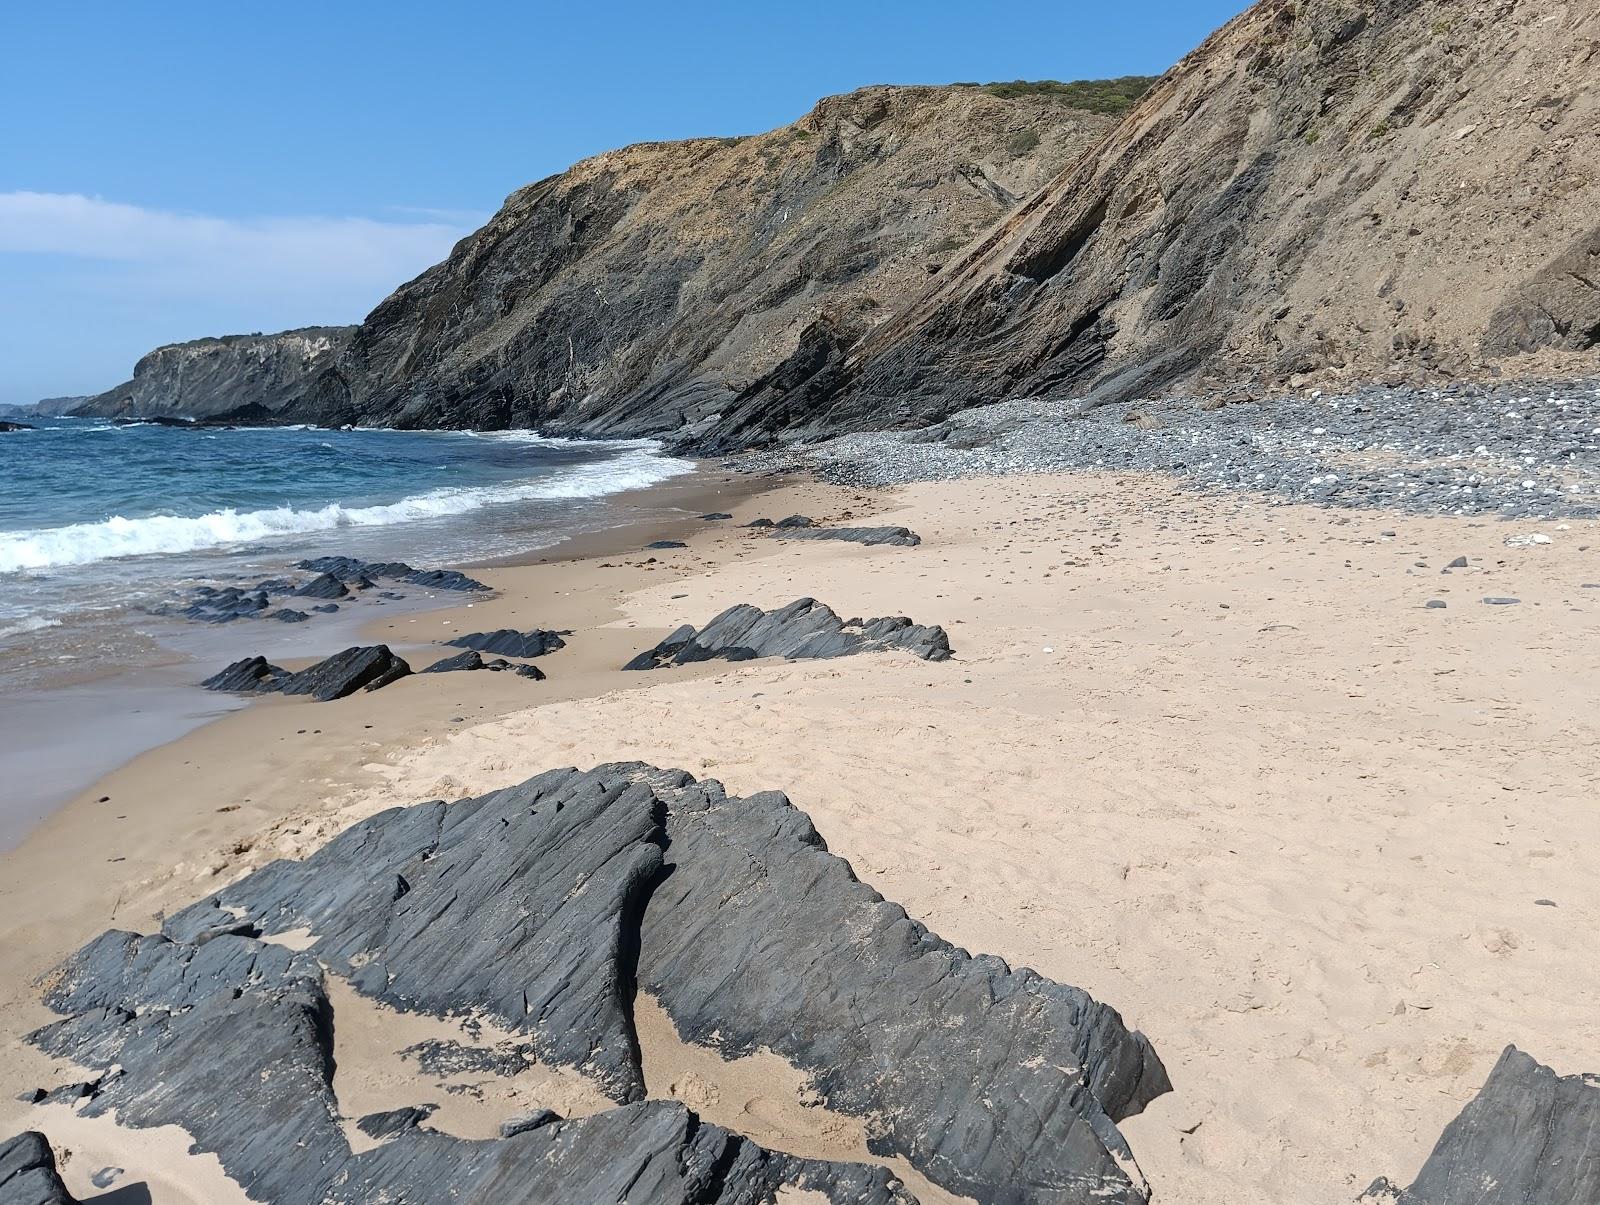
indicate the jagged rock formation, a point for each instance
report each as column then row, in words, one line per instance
column 1321, row 188
column 473, row 660
column 8, row 425
column 240, row 377
column 540, row 906
column 508, row 642
column 360, row 574
column 901, row 537
column 28, row 1173
column 1530, row 1137
column 802, row 630
column 369, row 668
column 641, row 290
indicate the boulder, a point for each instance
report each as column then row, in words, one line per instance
column 345, row 673
column 794, row 521
column 902, row 537
column 803, row 629
column 7, row 425
column 1530, row 1137
column 324, row 585
column 28, row 1169
column 252, row 675
column 333, row 678
column 391, row 1122
column 715, row 515
column 508, row 642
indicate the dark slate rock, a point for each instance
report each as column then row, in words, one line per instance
column 1530, row 1137
column 901, row 537
column 28, row 1170
column 324, row 585
column 342, row 674
column 507, row 642
column 997, row 1084
column 528, row 1121
column 539, row 906
column 8, row 425
column 659, row 545
column 531, row 672
column 210, row 605
column 105, row 1177
column 243, row 1062
column 794, row 521
column 252, row 675
column 1460, row 562
column 461, row 661
column 803, row 629
column 349, row 570
column 760, row 523
column 715, row 515
column 326, row 608
column 394, row 1121
column 288, row 615
column 1435, row 604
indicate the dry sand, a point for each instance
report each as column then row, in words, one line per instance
column 1211, row 760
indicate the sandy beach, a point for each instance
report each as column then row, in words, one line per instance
column 1213, row 761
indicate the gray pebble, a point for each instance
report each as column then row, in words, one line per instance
column 1502, row 602
column 1435, row 604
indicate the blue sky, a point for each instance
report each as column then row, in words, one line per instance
column 173, row 169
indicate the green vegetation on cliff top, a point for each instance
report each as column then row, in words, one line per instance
column 1111, row 96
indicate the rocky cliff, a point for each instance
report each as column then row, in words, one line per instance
column 1324, row 190
column 242, row 376
column 642, row 290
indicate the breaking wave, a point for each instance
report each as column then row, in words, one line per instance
column 85, row 543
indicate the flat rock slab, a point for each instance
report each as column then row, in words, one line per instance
column 802, row 630
column 1530, row 1137
column 508, row 642
column 28, row 1172
column 540, row 907
column 360, row 668
column 663, row 545
column 900, row 537
column 350, row 570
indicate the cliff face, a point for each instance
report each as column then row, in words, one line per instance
column 1324, row 190
column 643, row 290
column 244, row 376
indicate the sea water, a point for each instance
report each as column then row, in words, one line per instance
column 103, row 526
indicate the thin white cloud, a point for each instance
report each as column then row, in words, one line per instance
column 346, row 264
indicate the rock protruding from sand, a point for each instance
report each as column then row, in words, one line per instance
column 508, row 642
column 804, row 629
column 1529, row 1136
column 359, row 668
column 473, row 660
column 28, row 1172
column 900, row 537
column 542, row 908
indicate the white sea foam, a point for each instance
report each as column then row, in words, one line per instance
column 85, row 543
column 20, row 627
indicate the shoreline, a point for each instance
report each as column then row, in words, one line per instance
column 1208, row 758
column 149, row 704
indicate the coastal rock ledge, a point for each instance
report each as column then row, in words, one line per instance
column 804, row 629
column 545, row 908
